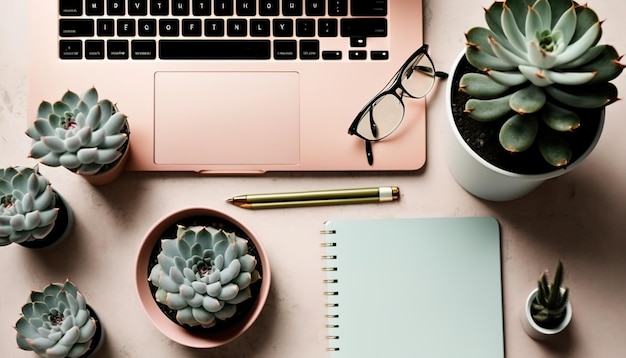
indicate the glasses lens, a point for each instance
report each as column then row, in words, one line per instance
column 381, row 118
column 419, row 76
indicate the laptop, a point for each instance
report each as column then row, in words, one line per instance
column 234, row 86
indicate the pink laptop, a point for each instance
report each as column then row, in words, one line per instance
column 235, row 86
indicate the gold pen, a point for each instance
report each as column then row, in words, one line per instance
column 316, row 198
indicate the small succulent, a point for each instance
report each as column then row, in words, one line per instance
column 27, row 205
column 203, row 274
column 56, row 323
column 548, row 308
column 540, row 61
column 79, row 133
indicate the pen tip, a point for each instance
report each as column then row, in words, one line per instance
column 230, row 201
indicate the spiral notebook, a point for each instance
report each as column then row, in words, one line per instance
column 414, row 287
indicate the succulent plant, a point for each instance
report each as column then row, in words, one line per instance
column 27, row 205
column 56, row 323
column 540, row 61
column 548, row 308
column 79, row 133
column 203, row 274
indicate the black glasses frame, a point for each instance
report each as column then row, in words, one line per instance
column 392, row 88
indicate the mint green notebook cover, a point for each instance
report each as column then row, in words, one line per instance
column 417, row 287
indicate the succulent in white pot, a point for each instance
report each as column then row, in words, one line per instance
column 547, row 311
column 86, row 135
column 32, row 213
column 528, row 94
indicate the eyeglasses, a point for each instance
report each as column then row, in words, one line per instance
column 383, row 114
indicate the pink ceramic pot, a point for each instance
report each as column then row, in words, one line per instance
column 172, row 330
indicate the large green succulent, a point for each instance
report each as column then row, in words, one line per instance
column 56, row 323
column 203, row 274
column 27, row 205
column 79, row 133
column 540, row 61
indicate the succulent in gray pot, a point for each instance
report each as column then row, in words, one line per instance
column 32, row 213
column 528, row 95
column 86, row 135
column 202, row 277
column 58, row 323
column 547, row 311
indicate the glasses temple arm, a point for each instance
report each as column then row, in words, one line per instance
column 368, row 152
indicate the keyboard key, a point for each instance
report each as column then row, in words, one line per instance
column 246, row 7
column 76, row 27
column 357, row 55
column 70, row 49
column 283, row 27
column 305, row 27
column 125, row 27
column 309, row 49
column 224, row 7
column 159, row 7
column 137, row 7
column 315, row 7
column 260, row 27
column 192, row 27
column 214, row 27
column 94, row 7
column 201, row 7
column 70, row 7
column 169, row 27
column 379, row 55
column 368, row 27
column 214, row 49
column 358, row 41
column 236, row 27
column 117, row 49
column 292, row 7
column 94, row 49
column 180, row 7
column 116, row 7
column 331, row 55
column 143, row 49
column 285, row 50
column 328, row 28
column 147, row 27
column 269, row 8
column 368, row 8
column 105, row 27
column 338, row 7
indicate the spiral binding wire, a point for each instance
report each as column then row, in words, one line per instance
column 332, row 325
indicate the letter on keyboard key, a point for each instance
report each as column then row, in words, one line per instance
column 116, row 7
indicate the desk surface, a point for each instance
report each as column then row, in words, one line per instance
column 578, row 218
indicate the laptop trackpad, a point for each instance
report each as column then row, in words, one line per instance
column 226, row 118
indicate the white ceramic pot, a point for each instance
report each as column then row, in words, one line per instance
column 481, row 178
column 533, row 329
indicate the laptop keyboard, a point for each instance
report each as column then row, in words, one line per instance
column 221, row 29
